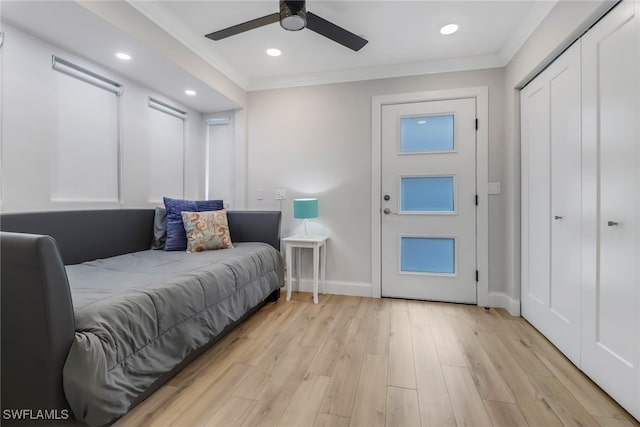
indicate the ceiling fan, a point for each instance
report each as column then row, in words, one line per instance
column 293, row 16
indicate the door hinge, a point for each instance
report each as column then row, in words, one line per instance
column 477, row 276
column 476, row 124
column 476, row 200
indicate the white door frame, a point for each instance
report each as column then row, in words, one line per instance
column 481, row 94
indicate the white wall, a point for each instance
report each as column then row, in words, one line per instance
column 316, row 141
column 28, row 106
column 564, row 24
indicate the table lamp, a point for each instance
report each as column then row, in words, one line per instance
column 305, row 209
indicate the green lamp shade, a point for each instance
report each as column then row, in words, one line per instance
column 305, row 208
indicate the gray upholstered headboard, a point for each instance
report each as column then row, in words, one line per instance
column 87, row 235
column 255, row 226
column 94, row 234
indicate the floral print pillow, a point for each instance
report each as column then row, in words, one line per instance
column 206, row 230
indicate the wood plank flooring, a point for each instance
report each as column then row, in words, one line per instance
column 352, row 361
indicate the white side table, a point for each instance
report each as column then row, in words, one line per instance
column 319, row 246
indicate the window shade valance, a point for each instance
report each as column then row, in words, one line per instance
column 81, row 73
column 166, row 108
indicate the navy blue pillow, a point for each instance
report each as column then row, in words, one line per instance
column 176, row 236
column 208, row 206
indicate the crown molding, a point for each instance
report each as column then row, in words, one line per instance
column 379, row 72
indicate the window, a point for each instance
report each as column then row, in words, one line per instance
column 85, row 150
column 426, row 134
column 167, row 151
column 220, row 159
column 427, row 255
column 427, row 193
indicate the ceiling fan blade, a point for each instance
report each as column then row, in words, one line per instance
column 334, row 32
column 245, row 26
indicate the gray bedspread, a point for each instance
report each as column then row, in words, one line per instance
column 139, row 315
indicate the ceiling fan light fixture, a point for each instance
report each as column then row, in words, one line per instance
column 293, row 15
column 274, row 52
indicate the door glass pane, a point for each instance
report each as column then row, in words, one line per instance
column 427, row 255
column 430, row 133
column 426, row 193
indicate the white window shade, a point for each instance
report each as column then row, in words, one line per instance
column 220, row 157
column 167, row 152
column 85, row 150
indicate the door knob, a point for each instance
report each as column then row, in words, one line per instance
column 557, row 217
column 387, row 211
column 612, row 223
column 387, row 197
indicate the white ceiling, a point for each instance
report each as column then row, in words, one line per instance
column 403, row 36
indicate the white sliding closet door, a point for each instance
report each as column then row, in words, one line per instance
column 551, row 202
column 611, row 193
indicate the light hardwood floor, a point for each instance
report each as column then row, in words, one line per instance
column 352, row 361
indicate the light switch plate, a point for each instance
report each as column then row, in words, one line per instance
column 260, row 194
column 494, row 188
column 281, row 194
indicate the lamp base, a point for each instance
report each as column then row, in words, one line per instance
column 306, row 233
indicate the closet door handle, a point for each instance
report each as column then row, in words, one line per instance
column 612, row 223
column 557, row 217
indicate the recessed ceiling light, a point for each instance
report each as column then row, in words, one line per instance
column 123, row 56
column 449, row 29
column 274, row 52
column 190, row 92
column 422, row 122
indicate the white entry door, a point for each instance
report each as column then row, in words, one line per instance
column 428, row 213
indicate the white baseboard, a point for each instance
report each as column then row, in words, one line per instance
column 362, row 289
column 502, row 300
column 358, row 289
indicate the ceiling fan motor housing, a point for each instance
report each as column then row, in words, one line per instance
column 293, row 15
